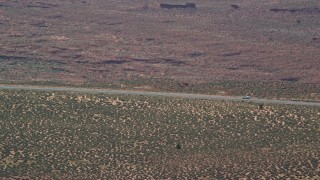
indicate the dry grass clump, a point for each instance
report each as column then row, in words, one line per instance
column 92, row 136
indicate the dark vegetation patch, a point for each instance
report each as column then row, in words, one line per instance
column 301, row 10
column 114, row 23
column 168, row 21
column 183, row 84
column 17, row 67
column 22, row 59
column 159, row 61
column 42, row 5
column 39, row 24
column 13, row 63
column 149, row 61
column 77, row 56
column 247, row 65
column 144, row 8
column 129, row 69
column 146, row 39
column 82, row 61
column 316, row 39
column 290, row 79
column 41, row 40
column 175, row 6
column 57, row 62
column 112, row 62
column 234, row 6
column 4, row 57
column 195, row 54
column 59, row 69
column 231, row 54
column 171, row 61
column 233, row 68
column 14, row 60
column 71, row 56
column 3, row 5
column 99, row 70
column 58, row 16
column 57, row 50
column 315, row 42
column 150, row 39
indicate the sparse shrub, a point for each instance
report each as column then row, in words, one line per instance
column 261, row 106
column 178, row 146
column 86, row 135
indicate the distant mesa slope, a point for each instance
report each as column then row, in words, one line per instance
column 171, row 6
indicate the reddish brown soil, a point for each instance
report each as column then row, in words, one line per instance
column 106, row 41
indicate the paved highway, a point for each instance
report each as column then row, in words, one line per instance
column 164, row 94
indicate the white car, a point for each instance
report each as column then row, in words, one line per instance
column 246, row 97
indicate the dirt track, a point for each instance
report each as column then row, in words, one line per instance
column 164, row 94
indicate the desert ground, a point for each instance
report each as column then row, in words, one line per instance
column 61, row 135
column 107, row 43
column 261, row 48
